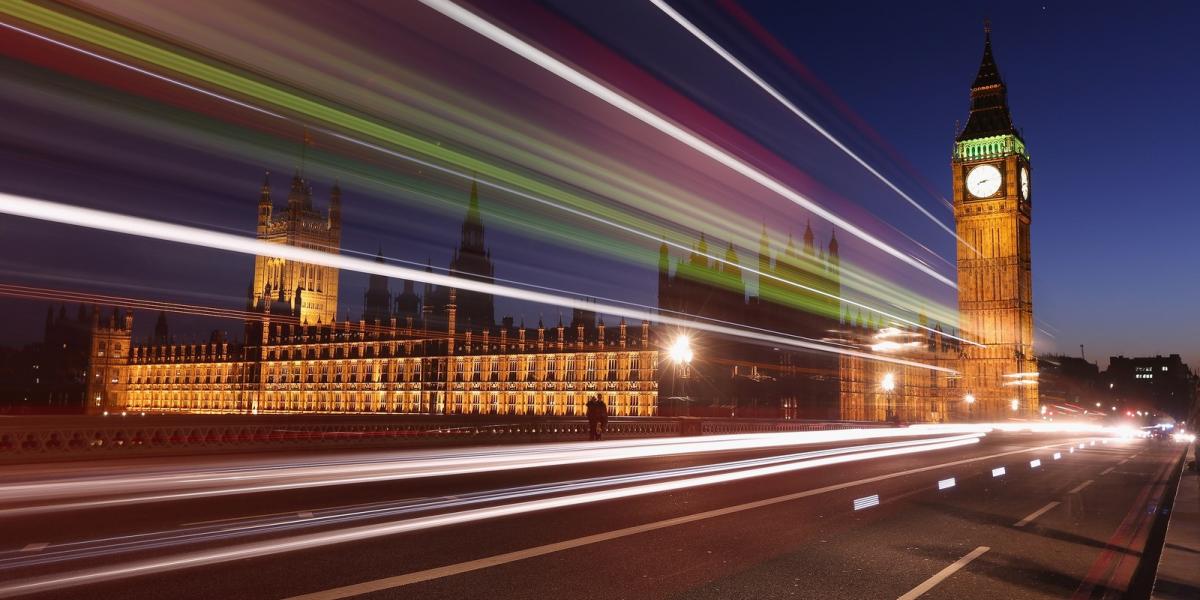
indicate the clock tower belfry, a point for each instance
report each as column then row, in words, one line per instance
column 992, row 208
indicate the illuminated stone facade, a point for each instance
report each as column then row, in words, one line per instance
column 361, row 368
column 873, row 390
column 997, row 369
column 309, row 291
column 427, row 355
column 995, row 288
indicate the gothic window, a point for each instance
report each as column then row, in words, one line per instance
column 612, row 366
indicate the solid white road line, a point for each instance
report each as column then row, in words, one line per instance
column 929, row 584
column 1081, row 486
column 1037, row 513
column 1107, row 471
column 38, row 547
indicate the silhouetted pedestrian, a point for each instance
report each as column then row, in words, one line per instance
column 597, row 416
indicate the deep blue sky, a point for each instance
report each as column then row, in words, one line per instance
column 1105, row 96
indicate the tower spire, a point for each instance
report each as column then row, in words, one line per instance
column 989, row 98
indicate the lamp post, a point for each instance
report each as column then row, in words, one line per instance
column 680, row 353
column 888, row 385
column 970, row 400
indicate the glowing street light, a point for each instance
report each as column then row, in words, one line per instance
column 680, row 351
column 889, row 382
column 969, row 398
column 1016, row 404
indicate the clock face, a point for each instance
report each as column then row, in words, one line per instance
column 1024, row 183
column 983, row 181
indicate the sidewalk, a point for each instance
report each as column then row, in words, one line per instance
column 1178, row 576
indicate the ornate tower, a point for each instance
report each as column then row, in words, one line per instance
column 310, row 291
column 377, row 301
column 473, row 260
column 991, row 172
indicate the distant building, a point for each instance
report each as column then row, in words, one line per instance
column 797, row 294
column 441, row 353
column 1071, row 385
column 1160, row 383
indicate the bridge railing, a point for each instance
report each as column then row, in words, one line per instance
column 31, row 439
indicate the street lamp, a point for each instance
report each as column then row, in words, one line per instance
column 1016, row 404
column 970, row 400
column 680, row 353
column 888, row 384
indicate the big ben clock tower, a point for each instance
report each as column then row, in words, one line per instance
column 992, row 208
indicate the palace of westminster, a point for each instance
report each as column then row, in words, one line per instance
column 442, row 351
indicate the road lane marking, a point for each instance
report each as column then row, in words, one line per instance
column 1037, row 513
column 38, row 547
column 1123, row 462
column 167, row 563
column 946, row 483
column 998, row 471
column 1107, row 471
column 1081, row 486
column 867, row 502
column 940, row 576
column 500, row 559
column 1035, row 463
column 305, row 515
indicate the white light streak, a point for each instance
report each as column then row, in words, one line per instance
column 615, row 99
column 350, row 534
column 484, row 182
column 766, row 87
column 37, row 497
column 106, row 221
column 946, row 484
column 866, row 502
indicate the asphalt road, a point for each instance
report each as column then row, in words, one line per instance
column 681, row 518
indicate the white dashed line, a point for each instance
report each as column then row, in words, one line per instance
column 929, row 584
column 1081, row 486
column 1037, row 513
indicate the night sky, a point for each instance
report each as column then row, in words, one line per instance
column 1105, row 98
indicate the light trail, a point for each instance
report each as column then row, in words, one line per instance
column 284, row 522
column 472, row 177
column 159, row 565
column 770, row 90
column 20, row 499
column 639, row 233
column 148, row 228
column 599, row 90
